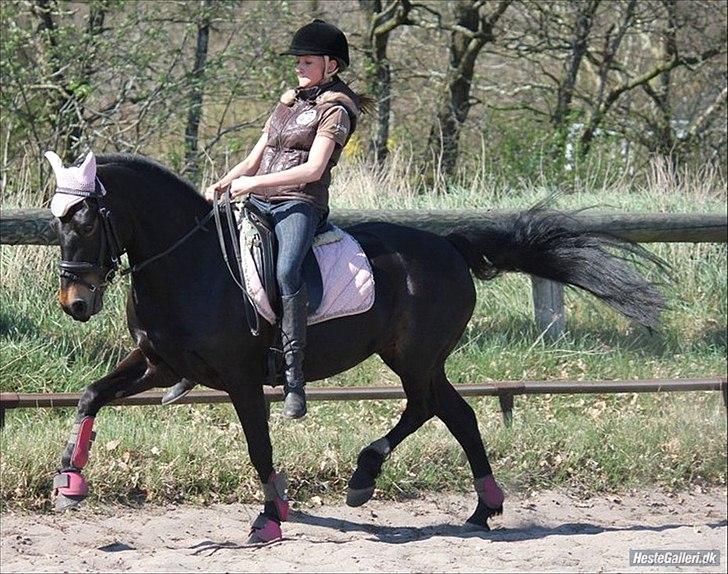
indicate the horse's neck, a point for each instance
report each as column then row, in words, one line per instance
column 157, row 219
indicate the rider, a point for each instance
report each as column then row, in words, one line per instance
column 287, row 176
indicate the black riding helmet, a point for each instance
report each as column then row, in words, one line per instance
column 320, row 38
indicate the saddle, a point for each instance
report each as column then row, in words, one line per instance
column 257, row 233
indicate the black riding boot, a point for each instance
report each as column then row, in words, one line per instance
column 293, row 337
column 178, row 391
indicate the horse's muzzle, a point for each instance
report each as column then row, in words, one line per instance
column 80, row 302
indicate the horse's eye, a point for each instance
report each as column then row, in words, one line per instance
column 87, row 229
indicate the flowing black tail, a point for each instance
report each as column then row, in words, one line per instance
column 554, row 245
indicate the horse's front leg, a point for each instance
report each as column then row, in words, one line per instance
column 252, row 410
column 134, row 374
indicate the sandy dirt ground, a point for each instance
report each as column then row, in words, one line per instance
column 547, row 531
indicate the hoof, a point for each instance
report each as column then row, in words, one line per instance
column 480, row 517
column 472, row 527
column 64, row 503
column 358, row 496
column 368, row 466
column 264, row 531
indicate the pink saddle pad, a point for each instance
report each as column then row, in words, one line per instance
column 348, row 282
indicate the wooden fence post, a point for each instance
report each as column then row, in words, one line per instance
column 548, row 306
column 506, row 405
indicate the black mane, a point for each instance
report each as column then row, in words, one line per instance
column 151, row 169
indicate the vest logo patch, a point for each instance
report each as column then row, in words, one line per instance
column 306, row 118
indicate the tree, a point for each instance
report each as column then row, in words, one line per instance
column 588, row 65
column 382, row 20
column 196, row 91
column 67, row 88
column 472, row 29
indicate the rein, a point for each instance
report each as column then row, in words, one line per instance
column 251, row 314
column 139, row 266
column 110, row 244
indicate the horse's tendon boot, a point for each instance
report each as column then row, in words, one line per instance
column 82, row 436
column 275, row 491
column 69, row 486
column 368, row 467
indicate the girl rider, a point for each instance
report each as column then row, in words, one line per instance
column 287, row 176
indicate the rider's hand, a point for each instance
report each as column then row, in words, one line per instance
column 213, row 191
column 242, row 186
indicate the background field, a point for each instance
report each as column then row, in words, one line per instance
column 588, row 443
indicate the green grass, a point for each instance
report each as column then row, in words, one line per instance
column 600, row 442
column 197, row 453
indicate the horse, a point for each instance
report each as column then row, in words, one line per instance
column 186, row 315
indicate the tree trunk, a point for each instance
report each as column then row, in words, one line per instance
column 194, row 112
column 69, row 101
column 663, row 141
column 561, row 117
column 382, row 21
column 471, row 32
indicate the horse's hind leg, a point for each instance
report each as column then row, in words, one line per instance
column 372, row 457
column 460, row 419
column 131, row 376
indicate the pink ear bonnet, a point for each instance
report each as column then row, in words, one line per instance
column 73, row 184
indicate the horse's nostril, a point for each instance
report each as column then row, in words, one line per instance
column 79, row 307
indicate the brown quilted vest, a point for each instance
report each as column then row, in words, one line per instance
column 291, row 132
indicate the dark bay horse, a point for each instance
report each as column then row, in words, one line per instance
column 186, row 316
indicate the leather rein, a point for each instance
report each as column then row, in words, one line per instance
column 108, row 261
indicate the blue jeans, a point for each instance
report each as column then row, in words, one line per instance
column 296, row 223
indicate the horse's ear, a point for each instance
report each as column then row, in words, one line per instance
column 55, row 161
column 88, row 167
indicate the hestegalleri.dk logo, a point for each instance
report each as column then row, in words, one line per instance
column 674, row 557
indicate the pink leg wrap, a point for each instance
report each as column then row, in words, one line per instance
column 264, row 530
column 489, row 492
column 275, row 490
column 82, row 436
column 70, row 483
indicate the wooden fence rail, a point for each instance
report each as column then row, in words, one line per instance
column 504, row 390
column 33, row 227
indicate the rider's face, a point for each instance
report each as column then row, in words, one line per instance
column 310, row 70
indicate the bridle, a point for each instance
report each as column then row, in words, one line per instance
column 110, row 252
column 108, row 261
